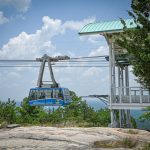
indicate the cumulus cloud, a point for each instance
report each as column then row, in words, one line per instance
column 93, row 71
column 30, row 45
column 21, row 5
column 101, row 50
column 3, row 19
column 91, row 38
column 34, row 45
column 84, row 81
column 77, row 25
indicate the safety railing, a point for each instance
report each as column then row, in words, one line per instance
column 130, row 95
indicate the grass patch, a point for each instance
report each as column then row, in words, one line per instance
column 3, row 125
column 125, row 143
column 145, row 147
column 128, row 143
column 132, row 131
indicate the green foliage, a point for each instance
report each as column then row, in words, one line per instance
column 8, row 111
column 133, row 122
column 3, row 125
column 132, row 131
column 146, row 115
column 129, row 143
column 78, row 113
column 137, row 40
column 145, row 147
column 124, row 143
column 30, row 114
column 101, row 117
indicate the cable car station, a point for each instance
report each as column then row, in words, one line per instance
column 122, row 97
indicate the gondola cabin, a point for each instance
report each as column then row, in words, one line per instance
column 49, row 97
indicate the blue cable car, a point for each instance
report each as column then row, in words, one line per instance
column 49, row 97
column 49, row 94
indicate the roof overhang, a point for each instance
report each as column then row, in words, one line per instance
column 109, row 27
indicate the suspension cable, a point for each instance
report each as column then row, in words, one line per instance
column 2, row 66
column 17, row 60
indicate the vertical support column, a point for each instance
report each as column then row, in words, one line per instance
column 120, row 118
column 119, row 84
column 128, row 119
column 121, row 93
column 127, row 80
column 112, row 97
column 128, row 116
column 113, row 73
column 122, row 85
column 110, row 78
column 141, row 95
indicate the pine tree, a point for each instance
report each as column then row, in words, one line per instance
column 137, row 40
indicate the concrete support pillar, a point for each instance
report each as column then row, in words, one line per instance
column 128, row 120
column 113, row 74
column 128, row 116
column 120, row 118
column 127, row 80
column 112, row 97
column 110, row 78
column 119, row 83
column 122, row 81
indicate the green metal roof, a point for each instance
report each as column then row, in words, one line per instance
column 106, row 27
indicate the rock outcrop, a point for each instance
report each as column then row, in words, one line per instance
column 52, row 138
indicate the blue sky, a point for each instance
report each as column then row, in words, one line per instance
column 64, row 10
column 31, row 28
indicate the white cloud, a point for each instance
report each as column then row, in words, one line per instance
column 77, row 25
column 90, row 72
column 20, row 5
column 3, row 19
column 102, row 50
column 91, row 38
column 84, row 81
column 34, row 45
column 13, row 75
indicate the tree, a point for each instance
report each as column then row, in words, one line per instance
column 146, row 115
column 101, row 117
column 137, row 40
column 76, row 113
column 31, row 114
column 8, row 111
column 79, row 113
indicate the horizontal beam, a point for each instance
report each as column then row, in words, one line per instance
column 129, row 105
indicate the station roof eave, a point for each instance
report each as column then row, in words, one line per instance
column 109, row 27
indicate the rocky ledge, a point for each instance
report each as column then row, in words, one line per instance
column 52, row 138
